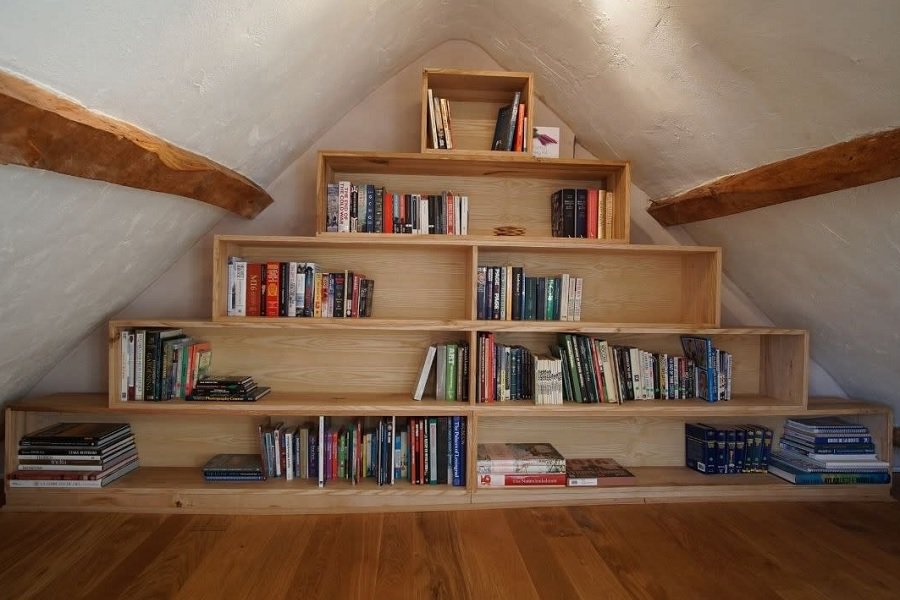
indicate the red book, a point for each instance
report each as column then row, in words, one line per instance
column 254, row 289
column 388, row 213
column 272, row 290
column 520, row 124
column 593, row 206
column 521, row 479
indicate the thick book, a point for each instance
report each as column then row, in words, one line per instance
column 251, row 396
column 500, row 479
column 823, row 425
column 75, row 434
column 520, row 457
column 233, row 464
column 583, row 472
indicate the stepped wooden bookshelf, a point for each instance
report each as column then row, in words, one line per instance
column 475, row 97
column 645, row 296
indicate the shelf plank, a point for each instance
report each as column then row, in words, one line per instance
column 524, row 240
column 743, row 405
column 183, row 489
column 679, row 484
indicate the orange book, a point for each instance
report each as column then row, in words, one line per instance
column 592, row 208
column 520, row 126
column 272, row 289
column 388, row 212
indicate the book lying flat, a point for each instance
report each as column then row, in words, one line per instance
column 78, row 434
column 17, row 481
column 583, row 472
column 520, row 458
column 251, row 396
column 233, row 463
column 494, row 479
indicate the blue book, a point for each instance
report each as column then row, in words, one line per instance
column 700, row 447
column 700, row 350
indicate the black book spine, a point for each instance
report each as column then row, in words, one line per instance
column 481, row 283
column 339, row 284
column 354, row 209
column 370, row 302
column 379, row 210
column 569, row 212
column 283, row 279
column 518, row 308
column 263, row 282
column 443, row 445
column 541, row 299
column 580, row 213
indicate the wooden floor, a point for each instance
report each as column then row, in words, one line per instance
column 645, row 551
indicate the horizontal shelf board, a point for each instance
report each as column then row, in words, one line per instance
column 739, row 406
column 99, row 403
column 374, row 240
column 485, row 163
column 460, row 325
column 285, row 403
column 669, row 482
column 476, row 240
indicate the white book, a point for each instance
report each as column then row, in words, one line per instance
column 321, row 442
column 344, row 206
column 140, row 343
column 288, row 437
column 129, row 375
column 292, row 290
column 431, row 120
column 392, row 444
column 424, row 222
column 300, row 295
column 579, row 284
column 240, row 288
column 464, row 220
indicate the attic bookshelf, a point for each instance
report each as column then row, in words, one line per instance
column 647, row 296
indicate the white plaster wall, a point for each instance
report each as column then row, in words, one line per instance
column 72, row 253
column 249, row 84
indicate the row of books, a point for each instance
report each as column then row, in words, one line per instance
column 228, row 388
column 505, row 293
column 583, row 213
column 446, row 370
column 75, row 455
column 827, row 450
column 420, row 450
column 439, row 122
column 504, row 372
column 719, row 450
column 541, row 465
column 713, row 368
column 367, row 208
column 160, row 364
column 511, row 126
column 296, row 289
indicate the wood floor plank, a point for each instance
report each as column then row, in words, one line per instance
column 491, row 557
column 99, row 557
column 547, row 573
column 320, row 560
column 165, row 575
column 395, row 554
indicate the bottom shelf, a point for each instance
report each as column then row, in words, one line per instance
column 183, row 489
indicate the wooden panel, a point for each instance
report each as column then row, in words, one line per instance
column 625, row 287
column 501, row 191
column 474, row 97
column 43, row 130
column 701, row 289
column 860, row 161
column 408, row 284
column 784, row 368
column 330, row 363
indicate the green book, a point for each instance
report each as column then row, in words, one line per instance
column 450, row 380
column 550, row 304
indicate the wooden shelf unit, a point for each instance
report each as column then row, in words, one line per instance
column 645, row 438
column 501, row 190
column 475, row 97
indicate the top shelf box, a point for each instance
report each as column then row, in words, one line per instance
column 475, row 97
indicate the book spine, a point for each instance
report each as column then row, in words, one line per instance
column 521, row 479
column 343, row 206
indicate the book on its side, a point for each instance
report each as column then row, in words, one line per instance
column 499, row 479
column 581, row 472
column 80, row 434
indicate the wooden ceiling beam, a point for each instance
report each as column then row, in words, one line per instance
column 863, row 160
column 43, row 130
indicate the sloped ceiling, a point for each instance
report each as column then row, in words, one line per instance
column 688, row 93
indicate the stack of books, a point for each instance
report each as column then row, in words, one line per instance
column 234, row 467
column 228, row 388
column 819, row 450
column 523, row 464
column 75, row 455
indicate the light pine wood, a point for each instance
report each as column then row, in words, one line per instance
column 43, row 130
column 474, row 97
column 860, row 161
column 501, row 190
column 803, row 550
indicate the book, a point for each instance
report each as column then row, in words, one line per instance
column 501, row 479
column 234, row 465
column 582, row 472
column 830, row 425
column 75, row 434
column 520, row 458
column 424, row 372
column 237, row 396
column 829, row 478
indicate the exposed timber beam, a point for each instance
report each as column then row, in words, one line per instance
column 40, row 129
column 866, row 159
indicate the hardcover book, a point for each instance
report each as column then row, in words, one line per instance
column 520, row 458
column 75, row 434
column 582, row 472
